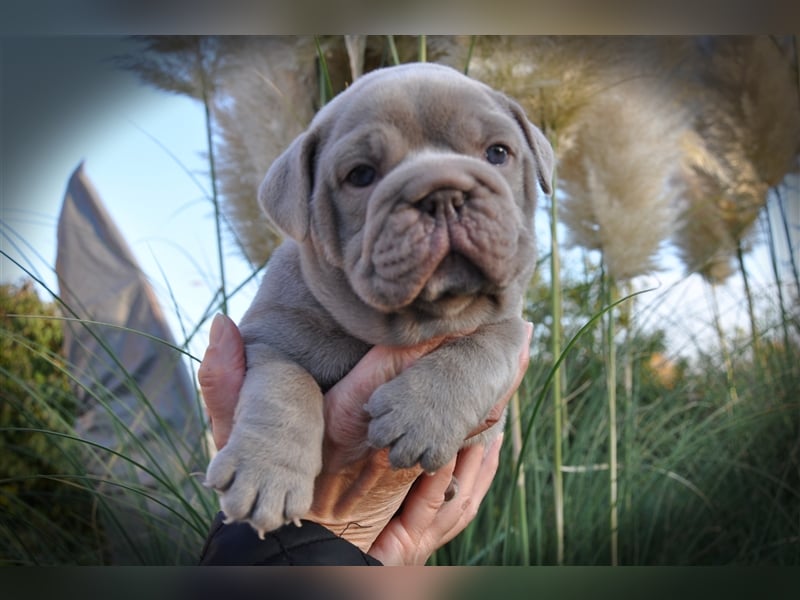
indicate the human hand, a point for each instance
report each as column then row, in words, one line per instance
column 357, row 495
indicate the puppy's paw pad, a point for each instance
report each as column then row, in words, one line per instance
column 413, row 443
column 281, row 508
column 263, row 494
column 412, row 431
column 431, row 456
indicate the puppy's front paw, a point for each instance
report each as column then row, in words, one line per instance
column 264, row 491
column 412, row 427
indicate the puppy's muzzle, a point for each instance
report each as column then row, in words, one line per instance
column 436, row 227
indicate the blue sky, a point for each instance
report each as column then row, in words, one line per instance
column 63, row 103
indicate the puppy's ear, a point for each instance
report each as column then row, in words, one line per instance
column 538, row 143
column 285, row 192
column 545, row 157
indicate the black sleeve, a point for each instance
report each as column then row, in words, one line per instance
column 311, row 544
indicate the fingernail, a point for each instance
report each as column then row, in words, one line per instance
column 217, row 329
column 529, row 327
column 494, row 445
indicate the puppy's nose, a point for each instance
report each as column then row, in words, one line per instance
column 447, row 202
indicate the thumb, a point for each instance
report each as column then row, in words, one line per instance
column 221, row 375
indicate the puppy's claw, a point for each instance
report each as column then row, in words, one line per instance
column 220, row 489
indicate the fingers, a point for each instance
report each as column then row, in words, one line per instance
column 426, row 522
column 475, row 471
column 401, row 541
column 375, row 479
column 345, row 417
column 220, row 376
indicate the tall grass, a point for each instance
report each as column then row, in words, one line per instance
column 698, row 483
column 143, row 505
column 558, row 396
column 134, row 499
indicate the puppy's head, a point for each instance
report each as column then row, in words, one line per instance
column 417, row 188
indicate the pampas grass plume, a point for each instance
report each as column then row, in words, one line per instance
column 746, row 140
column 616, row 175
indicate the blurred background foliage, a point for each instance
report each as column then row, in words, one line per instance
column 44, row 517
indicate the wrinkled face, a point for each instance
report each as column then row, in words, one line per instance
column 421, row 195
column 415, row 189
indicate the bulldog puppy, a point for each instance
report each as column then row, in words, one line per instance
column 407, row 208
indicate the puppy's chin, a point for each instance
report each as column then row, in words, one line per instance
column 455, row 276
column 445, row 307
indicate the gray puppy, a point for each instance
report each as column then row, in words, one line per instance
column 408, row 208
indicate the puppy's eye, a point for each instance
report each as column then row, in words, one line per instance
column 361, row 176
column 497, row 154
